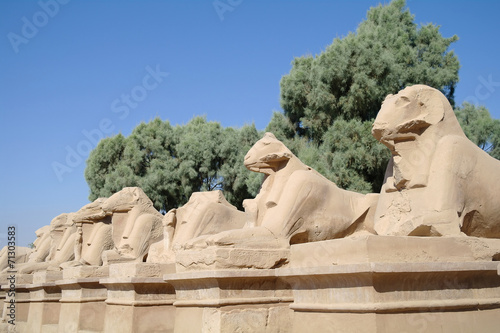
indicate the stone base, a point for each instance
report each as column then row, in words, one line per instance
column 82, row 316
column 81, row 272
column 231, row 301
column 22, row 298
column 140, row 319
column 371, row 248
column 464, row 321
column 22, row 305
column 356, row 284
column 44, row 299
column 82, row 301
column 22, row 294
column 391, row 287
column 214, row 258
column 394, row 284
column 138, row 300
column 20, row 278
column 43, row 314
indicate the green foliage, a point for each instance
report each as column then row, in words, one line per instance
column 330, row 100
column 329, row 103
column 150, row 156
column 198, row 153
column 480, row 128
column 353, row 75
column 169, row 163
column 347, row 154
column 238, row 183
column 281, row 126
column 352, row 158
column 102, row 162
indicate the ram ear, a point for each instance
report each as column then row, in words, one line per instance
column 431, row 103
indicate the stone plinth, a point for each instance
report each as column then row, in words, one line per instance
column 230, row 258
column 44, row 303
column 138, row 299
column 394, row 284
column 21, row 297
column 82, row 301
column 231, row 301
column 371, row 248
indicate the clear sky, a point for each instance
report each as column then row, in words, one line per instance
column 73, row 71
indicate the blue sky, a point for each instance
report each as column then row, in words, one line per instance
column 80, row 70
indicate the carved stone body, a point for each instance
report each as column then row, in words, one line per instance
column 206, row 213
column 62, row 238
column 295, row 204
column 96, row 233
column 136, row 224
column 21, row 256
column 438, row 182
column 41, row 244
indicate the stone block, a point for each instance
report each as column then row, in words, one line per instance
column 231, row 300
column 138, row 300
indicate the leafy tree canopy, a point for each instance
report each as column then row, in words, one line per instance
column 330, row 100
column 480, row 128
column 169, row 163
column 329, row 103
column 353, row 75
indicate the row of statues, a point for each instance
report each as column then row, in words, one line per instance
column 438, row 183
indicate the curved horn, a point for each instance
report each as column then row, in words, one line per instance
column 431, row 103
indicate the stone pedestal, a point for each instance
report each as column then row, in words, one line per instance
column 21, row 299
column 82, row 301
column 395, row 284
column 231, row 301
column 218, row 258
column 44, row 302
column 138, row 299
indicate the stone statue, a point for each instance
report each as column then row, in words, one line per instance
column 438, row 182
column 39, row 253
column 21, row 256
column 62, row 238
column 206, row 213
column 295, row 204
column 136, row 224
column 94, row 233
column 41, row 245
column 63, row 233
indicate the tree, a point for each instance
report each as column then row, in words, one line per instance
column 169, row 163
column 332, row 99
column 146, row 159
column 353, row 75
column 102, row 162
column 151, row 153
column 281, row 126
column 352, row 158
column 238, row 182
column 198, row 152
column 480, row 128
